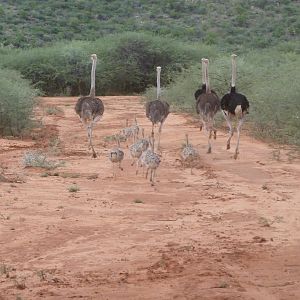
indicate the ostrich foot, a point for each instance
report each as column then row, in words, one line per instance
column 228, row 146
column 209, row 150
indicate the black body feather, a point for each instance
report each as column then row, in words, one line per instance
column 202, row 91
column 230, row 101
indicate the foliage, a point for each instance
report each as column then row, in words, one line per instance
column 16, row 103
column 38, row 159
column 233, row 23
column 268, row 78
column 126, row 63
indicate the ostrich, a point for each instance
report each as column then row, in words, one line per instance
column 207, row 105
column 116, row 155
column 137, row 149
column 157, row 110
column 234, row 105
column 189, row 154
column 132, row 131
column 89, row 108
column 150, row 160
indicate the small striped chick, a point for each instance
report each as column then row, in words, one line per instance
column 189, row 154
column 137, row 149
column 132, row 131
column 150, row 160
column 135, row 129
column 116, row 155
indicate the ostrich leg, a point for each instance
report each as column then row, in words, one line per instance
column 159, row 133
column 241, row 121
column 230, row 128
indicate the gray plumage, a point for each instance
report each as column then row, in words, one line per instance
column 89, row 108
column 132, row 131
column 207, row 105
column 150, row 160
column 157, row 111
column 137, row 149
column 116, row 155
column 189, row 155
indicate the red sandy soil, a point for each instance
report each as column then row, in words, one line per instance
column 230, row 231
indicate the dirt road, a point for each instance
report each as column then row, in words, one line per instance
column 230, row 231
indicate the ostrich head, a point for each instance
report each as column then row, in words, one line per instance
column 94, row 57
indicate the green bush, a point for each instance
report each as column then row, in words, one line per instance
column 17, row 99
column 126, row 63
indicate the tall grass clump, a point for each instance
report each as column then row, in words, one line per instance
column 126, row 63
column 270, row 80
column 17, row 99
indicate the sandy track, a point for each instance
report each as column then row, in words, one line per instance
column 231, row 231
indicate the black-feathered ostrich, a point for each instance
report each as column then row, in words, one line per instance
column 157, row 110
column 89, row 108
column 234, row 106
column 207, row 105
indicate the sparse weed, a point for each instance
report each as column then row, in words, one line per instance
column 265, row 222
column 74, row 188
column 4, row 269
column 93, row 176
column 55, row 146
column 138, row 201
column 38, row 159
column 42, row 275
column 53, row 110
column 70, row 175
column 223, row 285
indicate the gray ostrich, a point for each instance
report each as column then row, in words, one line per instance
column 89, row 108
column 157, row 110
column 207, row 105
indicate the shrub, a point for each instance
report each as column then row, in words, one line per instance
column 126, row 63
column 17, row 100
column 74, row 188
column 40, row 160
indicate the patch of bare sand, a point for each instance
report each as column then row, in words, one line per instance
column 231, row 231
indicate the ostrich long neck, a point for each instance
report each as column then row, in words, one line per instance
column 233, row 72
column 158, row 84
column 207, row 79
column 203, row 72
column 93, row 74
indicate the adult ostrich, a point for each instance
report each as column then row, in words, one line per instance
column 89, row 108
column 157, row 110
column 234, row 106
column 207, row 105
